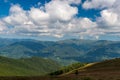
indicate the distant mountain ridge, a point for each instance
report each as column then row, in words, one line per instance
column 64, row 51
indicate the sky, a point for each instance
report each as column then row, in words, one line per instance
column 60, row 19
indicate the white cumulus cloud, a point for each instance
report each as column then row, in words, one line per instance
column 60, row 10
column 110, row 18
column 56, row 18
column 98, row 4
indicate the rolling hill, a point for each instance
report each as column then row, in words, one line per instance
column 105, row 70
column 64, row 51
column 27, row 66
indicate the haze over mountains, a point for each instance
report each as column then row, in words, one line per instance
column 64, row 51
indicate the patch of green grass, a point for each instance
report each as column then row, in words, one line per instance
column 26, row 67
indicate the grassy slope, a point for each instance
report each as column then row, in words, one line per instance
column 106, row 70
column 26, row 67
column 107, row 65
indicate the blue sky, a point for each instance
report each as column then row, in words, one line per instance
column 27, row 4
column 60, row 19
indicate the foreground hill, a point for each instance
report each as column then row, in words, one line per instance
column 65, row 51
column 26, row 67
column 106, row 70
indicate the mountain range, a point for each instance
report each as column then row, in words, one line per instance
column 64, row 51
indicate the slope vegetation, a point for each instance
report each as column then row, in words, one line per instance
column 106, row 70
column 26, row 67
